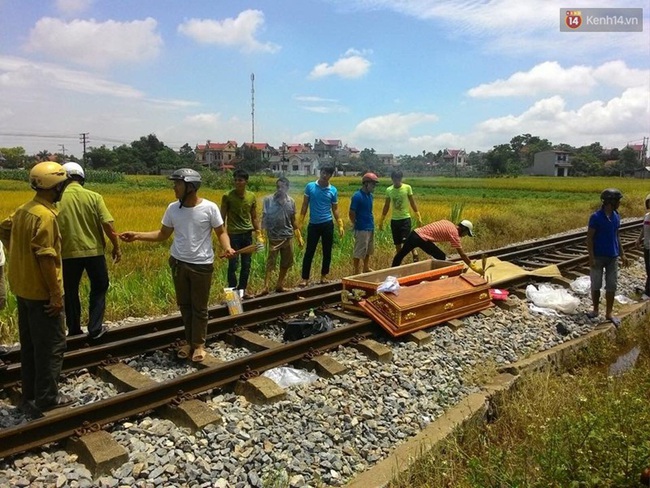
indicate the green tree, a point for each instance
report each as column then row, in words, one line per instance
column 101, row 158
column 250, row 159
column 525, row 146
column 627, row 161
column 15, row 157
column 43, row 155
column 369, row 161
column 586, row 164
column 187, row 156
column 501, row 159
column 147, row 151
column 127, row 161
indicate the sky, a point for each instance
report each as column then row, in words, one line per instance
column 397, row 76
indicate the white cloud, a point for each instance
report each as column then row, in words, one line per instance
column 312, row 99
column 238, row 32
column 320, row 105
column 597, row 120
column 97, row 44
column 543, row 78
column 325, row 109
column 510, row 27
column 550, row 77
column 350, row 65
column 391, row 127
column 19, row 73
column 68, row 7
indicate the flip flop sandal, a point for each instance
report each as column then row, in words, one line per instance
column 615, row 320
column 183, row 352
column 199, row 355
column 303, row 284
column 591, row 314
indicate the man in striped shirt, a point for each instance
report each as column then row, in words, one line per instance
column 425, row 238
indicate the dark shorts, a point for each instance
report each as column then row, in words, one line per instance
column 400, row 230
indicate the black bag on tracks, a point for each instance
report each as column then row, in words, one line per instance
column 300, row 328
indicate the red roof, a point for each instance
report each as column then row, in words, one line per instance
column 257, row 145
column 216, row 145
column 296, row 148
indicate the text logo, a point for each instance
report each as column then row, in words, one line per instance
column 601, row 20
column 573, row 19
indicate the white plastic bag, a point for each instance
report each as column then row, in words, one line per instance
column 624, row 300
column 549, row 312
column 286, row 376
column 581, row 285
column 390, row 284
column 548, row 297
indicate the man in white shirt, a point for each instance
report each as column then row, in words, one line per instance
column 191, row 255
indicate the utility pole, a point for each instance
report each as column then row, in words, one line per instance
column 83, row 137
column 62, row 146
column 253, row 108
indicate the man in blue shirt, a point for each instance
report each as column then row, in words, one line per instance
column 322, row 200
column 363, row 222
column 604, row 246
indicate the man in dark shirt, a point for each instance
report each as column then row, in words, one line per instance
column 604, row 246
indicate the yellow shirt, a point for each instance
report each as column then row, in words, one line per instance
column 32, row 232
column 81, row 215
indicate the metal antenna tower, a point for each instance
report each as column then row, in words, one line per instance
column 252, row 108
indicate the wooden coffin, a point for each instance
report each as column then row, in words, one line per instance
column 363, row 286
column 420, row 306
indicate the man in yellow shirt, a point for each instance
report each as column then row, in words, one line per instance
column 84, row 219
column 400, row 195
column 33, row 240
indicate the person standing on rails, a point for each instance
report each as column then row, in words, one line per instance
column 644, row 242
column 604, row 246
column 279, row 223
column 400, row 195
column 322, row 200
column 426, row 237
column 192, row 256
column 239, row 210
column 363, row 222
column 33, row 240
column 84, row 219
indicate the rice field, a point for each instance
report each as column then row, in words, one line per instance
column 503, row 210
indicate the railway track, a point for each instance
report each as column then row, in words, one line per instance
column 567, row 252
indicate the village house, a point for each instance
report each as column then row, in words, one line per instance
column 456, row 157
column 295, row 159
column 550, row 163
column 216, row 155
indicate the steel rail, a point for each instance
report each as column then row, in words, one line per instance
column 67, row 422
column 174, row 321
column 151, row 341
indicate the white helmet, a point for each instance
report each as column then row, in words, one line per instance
column 74, row 169
column 469, row 226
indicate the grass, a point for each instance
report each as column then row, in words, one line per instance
column 503, row 210
column 581, row 429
